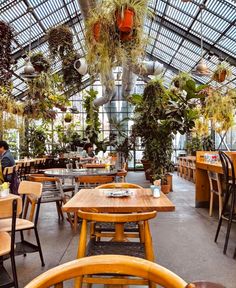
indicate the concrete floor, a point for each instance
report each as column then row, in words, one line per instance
column 183, row 240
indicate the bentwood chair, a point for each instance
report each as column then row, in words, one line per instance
column 33, row 190
column 228, row 210
column 10, row 207
column 110, row 264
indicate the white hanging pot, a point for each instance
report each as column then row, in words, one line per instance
column 29, row 68
column 81, row 66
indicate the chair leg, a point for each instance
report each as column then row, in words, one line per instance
column 26, row 208
column 229, row 222
column 222, row 214
column 220, row 204
column 211, row 204
column 39, row 246
column 14, row 274
column 235, row 253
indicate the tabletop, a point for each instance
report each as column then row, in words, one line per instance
column 64, row 173
column 140, row 200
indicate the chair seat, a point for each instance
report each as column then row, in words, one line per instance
column 108, row 226
column 5, row 241
column 5, row 224
column 135, row 249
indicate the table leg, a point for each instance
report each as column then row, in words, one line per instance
column 75, row 221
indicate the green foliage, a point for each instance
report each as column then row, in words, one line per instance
column 159, row 116
column 34, row 144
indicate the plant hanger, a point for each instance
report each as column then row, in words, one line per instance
column 29, row 70
column 201, row 69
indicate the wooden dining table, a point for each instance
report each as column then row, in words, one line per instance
column 96, row 200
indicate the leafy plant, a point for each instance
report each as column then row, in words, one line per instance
column 40, row 62
column 222, row 72
column 34, row 144
column 159, row 116
column 60, row 41
column 6, row 36
column 92, row 119
column 68, row 117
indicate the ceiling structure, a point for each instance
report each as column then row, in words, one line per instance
column 173, row 33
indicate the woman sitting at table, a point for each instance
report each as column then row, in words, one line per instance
column 87, row 153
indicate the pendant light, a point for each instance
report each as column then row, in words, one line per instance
column 201, row 69
column 29, row 71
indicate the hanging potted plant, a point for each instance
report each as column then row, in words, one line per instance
column 60, row 41
column 6, row 36
column 68, row 117
column 125, row 19
column 222, row 72
column 40, row 62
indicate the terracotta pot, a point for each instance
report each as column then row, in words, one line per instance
column 220, row 76
column 96, row 31
column 165, row 188
column 126, row 23
column 126, row 36
column 169, row 181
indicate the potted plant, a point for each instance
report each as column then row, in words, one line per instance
column 60, row 41
column 158, row 116
column 6, row 37
column 40, row 62
column 68, row 117
column 222, row 72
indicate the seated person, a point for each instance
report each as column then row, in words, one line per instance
column 6, row 157
column 87, row 153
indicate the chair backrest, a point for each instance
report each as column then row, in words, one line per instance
column 6, row 206
column 228, row 168
column 9, row 170
column 30, row 188
column 52, row 187
column 94, row 180
column 214, row 177
column 119, row 185
column 112, row 264
column 116, row 218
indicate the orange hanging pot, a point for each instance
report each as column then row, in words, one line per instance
column 125, row 23
column 96, row 31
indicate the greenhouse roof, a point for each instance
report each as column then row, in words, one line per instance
column 173, row 31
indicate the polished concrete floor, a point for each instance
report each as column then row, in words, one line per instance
column 183, row 240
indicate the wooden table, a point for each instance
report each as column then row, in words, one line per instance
column 95, row 200
column 94, row 165
column 202, row 192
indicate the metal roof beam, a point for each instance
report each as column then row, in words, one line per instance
column 194, row 39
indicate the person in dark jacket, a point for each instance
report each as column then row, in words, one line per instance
column 6, row 157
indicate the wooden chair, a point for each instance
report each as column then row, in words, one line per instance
column 215, row 188
column 119, row 185
column 34, row 191
column 122, row 173
column 102, row 229
column 119, row 244
column 228, row 210
column 92, row 181
column 10, row 207
column 111, row 264
column 52, row 192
